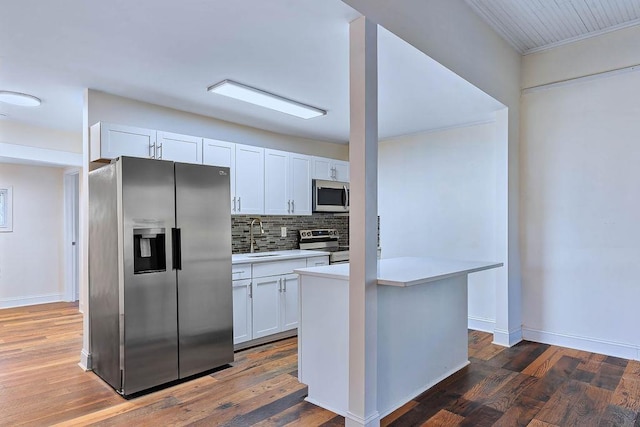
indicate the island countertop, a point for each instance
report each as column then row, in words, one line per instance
column 406, row 271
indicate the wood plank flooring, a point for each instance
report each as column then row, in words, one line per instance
column 527, row 385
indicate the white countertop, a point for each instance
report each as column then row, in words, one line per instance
column 406, row 271
column 274, row 256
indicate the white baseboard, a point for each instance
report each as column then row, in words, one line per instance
column 30, row 300
column 507, row 338
column 481, row 324
column 593, row 345
column 85, row 360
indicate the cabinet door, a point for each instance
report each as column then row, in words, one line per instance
column 266, row 306
column 300, row 184
column 109, row 141
column 322, row 168
column 289, row 300
column 222, row 153
column 341, row 171
column 241, row 311
column 249, row 179
column 179, row 148
column 276, row 183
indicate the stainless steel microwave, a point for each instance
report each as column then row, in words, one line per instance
column 330, row 196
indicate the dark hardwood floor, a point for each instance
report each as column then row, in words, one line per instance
column 529, row 384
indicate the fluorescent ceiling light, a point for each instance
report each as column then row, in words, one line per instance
column 265, row 99
column 17, row 98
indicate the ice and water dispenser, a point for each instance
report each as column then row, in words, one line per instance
column 149, row 252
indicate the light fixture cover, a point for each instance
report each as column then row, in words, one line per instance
column 17, row 98
column 265, row 99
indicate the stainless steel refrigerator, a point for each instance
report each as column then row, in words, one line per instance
column 160, row 295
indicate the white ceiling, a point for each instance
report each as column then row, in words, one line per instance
column 534, row 25
column 168, row 53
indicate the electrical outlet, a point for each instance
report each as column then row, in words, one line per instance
column 283, row 231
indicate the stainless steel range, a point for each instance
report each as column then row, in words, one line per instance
column 325, row 239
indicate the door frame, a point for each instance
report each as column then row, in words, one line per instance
column 70, row 233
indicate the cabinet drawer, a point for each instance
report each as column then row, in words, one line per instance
column 318, row 261
column 240, row 271
column 275, row 268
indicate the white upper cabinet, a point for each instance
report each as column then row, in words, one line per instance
column 249, row 180
column 300, row 184
column 178, row 148
column 109, row 141
column 287, row 179
column 341, row 171
column 330, row 169
column 222, row 153
column 246, row 164
column 322, row 168
column 276, row 183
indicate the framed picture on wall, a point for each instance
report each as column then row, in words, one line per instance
column 6, row 209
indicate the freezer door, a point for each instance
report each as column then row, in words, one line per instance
column 149, row 336
column 205, row 316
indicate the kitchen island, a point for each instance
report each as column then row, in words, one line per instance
column 422, row 329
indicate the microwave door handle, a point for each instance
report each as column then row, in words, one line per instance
column 346, row 197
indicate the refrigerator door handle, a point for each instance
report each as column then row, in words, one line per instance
column 177, row 248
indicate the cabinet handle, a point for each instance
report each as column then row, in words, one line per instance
column 234, row 204
column 284, row 286
column 160, row 151
column 239, row 205
column 250, row 290
column 293, row 206
column 289, row 206
column 152, row 146
column 280, row 285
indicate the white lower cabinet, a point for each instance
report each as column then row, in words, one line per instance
column 267, row 303
column 289, row 302
column 242, row 322
column 266, row 306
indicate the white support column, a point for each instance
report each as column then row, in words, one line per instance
column 83, row 238
column 363, row 224
column 508, row 328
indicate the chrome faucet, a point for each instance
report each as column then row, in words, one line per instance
column 251, row 238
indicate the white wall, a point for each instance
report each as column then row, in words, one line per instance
column 33, row 136
column 580, row 207
column 454, row 35
column 31, row 257
column 610, row 51
column 437, row 197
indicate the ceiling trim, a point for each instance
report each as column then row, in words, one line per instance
column 440, row 129
column 582, row 37
column 497, row 27
column 581, row 79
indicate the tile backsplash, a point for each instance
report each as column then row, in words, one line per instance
column 271, row 240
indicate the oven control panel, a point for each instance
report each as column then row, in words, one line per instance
column 320, row 233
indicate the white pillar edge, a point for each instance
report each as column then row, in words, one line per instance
column 83, row 238
column 363, row 220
